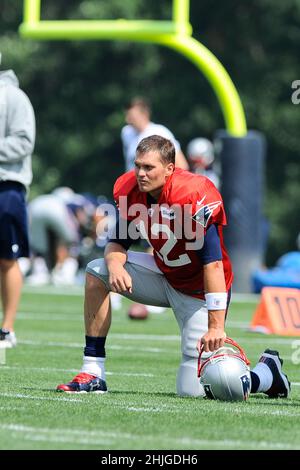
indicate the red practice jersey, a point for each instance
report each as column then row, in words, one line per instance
column 176, row 225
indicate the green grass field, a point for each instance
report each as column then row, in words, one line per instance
column 142, row 410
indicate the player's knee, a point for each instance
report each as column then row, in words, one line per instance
column 187, row 382
column 189, row 344
column 6, row 264
column 98, row 269
column 94, row 270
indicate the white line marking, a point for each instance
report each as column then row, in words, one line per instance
column 31, row 397
column 79, row 291
column 74, row 371
column 145, row 410
column 267, row 412
column 52, row 290
column 80, row 345
column 23, row 316
column 141, row 337
column 57, row 317
column 75, row 317
column 99, row 437
column 55, row 435
column 8, row 409
column 162, row 338
column 68, row 440
column 265, row 339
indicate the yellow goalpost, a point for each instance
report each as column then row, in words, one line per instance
column 175, row 34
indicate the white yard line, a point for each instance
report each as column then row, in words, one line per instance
column 32, row 397
column 161, row 408
column 68, row 440
column 79, row 291
column 56, row 317
column 80, row 345
column 23, row 316
column 100, row 438
column 51, row 316
column 141, row 337
column 52, row 290
column 72, row 371
column 162, row 338
column 8, row 409
column 265, row 339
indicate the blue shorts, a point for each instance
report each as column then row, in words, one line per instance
column 13, row 221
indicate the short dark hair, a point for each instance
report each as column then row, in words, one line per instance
column 140, row 102
column 157, row 143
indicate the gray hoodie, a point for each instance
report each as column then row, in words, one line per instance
column 17, row 131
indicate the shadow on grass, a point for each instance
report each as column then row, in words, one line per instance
column 110, row 392
column 253, row 401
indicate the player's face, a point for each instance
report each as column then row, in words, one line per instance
column 136, row 117
column 152, row 173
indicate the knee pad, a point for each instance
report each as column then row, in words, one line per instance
column 191, row 331
column 187, row 382
column 97, row 267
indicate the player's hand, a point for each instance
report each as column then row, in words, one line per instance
column 119, row 279
column 212, row 340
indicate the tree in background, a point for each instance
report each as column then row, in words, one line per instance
column 79, row 89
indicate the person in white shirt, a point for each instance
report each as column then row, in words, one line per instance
column 139, row 126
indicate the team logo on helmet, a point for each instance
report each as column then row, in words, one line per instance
column 225, row 375
column 246, row 384
column 208, row 391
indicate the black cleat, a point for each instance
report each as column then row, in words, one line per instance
column 281, row 386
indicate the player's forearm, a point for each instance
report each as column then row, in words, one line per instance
column 216, row 319
column 115, row 254
column 214, row 283
column 181, row 161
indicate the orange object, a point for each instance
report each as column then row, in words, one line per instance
column 278, row 312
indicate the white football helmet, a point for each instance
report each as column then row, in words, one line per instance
column 225, row 375
column 201, row 151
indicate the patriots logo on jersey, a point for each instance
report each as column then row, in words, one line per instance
column 204, row 213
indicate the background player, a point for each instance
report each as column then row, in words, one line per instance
column 139, row 126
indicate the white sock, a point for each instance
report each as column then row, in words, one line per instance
column 265, row 376
column 94, row 366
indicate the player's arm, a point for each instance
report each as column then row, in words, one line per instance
column 181, row 161
column 215, row 290
column 115, row 256
column 20, row 126
column 216, row 299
